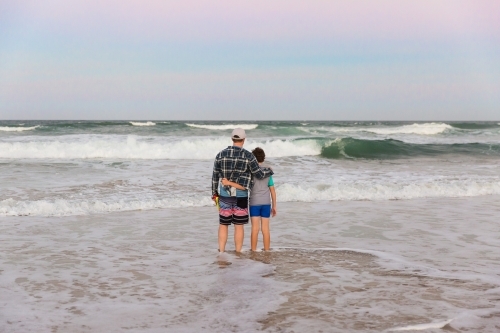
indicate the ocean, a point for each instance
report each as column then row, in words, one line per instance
column 108, row 226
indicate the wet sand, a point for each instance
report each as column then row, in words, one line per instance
column 359, row 266
column 370, row 298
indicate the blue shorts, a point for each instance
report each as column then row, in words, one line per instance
column 263, row 211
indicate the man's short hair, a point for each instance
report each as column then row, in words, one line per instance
column 259, row 154
column 237, row 140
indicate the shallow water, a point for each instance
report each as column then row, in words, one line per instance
column 359, row 266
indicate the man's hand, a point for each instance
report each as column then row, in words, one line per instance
column 225, row 182
column 273, row 212
column 215, row 196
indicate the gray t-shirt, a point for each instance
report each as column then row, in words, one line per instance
column 260, row 194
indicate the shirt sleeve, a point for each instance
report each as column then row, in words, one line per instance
column 271, row 182
column 215, row 176
column 256, row 170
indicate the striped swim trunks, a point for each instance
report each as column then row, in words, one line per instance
column 233, row 210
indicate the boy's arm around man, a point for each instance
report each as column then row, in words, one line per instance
column 257, row 171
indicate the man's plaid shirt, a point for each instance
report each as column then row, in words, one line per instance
column 237, row 165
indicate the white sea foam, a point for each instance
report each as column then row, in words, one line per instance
column 61, row 207
column 224, row 127
column 372, row 190
column 418, row 129
column 422, row 129
column 17, row 129
column 286, row 193
column 132, row 147
column 149, row 123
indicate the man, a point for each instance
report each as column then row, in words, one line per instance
column 240, row 166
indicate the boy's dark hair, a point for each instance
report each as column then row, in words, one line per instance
column 259, row 154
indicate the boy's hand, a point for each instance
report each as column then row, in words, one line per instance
column 273, row 212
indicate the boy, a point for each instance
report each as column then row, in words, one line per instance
column 262, row 203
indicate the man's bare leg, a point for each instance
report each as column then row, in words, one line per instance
column 223, row 231
column 239, row 233
column 266, row 234
column 255, row 232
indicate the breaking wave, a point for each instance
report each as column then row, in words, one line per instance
column 475, row 126
column 287, row 192
column 148, row 123
column 136, row 147
column 400, row 190
column 389, row 148
column 61, row 207
column 17, row 129
column 422, row 129
column 224, row 127
column 132, row 147
column 416, row 129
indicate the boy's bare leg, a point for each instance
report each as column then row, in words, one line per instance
column 266, row 234
column 255, row 232
column 223, row 231
column 239, row 233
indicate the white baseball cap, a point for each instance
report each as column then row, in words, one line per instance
column 238, row 134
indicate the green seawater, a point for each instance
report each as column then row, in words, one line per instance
column 336, row 140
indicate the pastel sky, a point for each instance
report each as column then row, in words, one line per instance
column 250, row 60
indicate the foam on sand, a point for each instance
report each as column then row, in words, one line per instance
column 394, row 262
column 149, row 123
column 352, row 285
column 92, row 278
column 224, row 127
column 17, row 129
column 422, row 327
